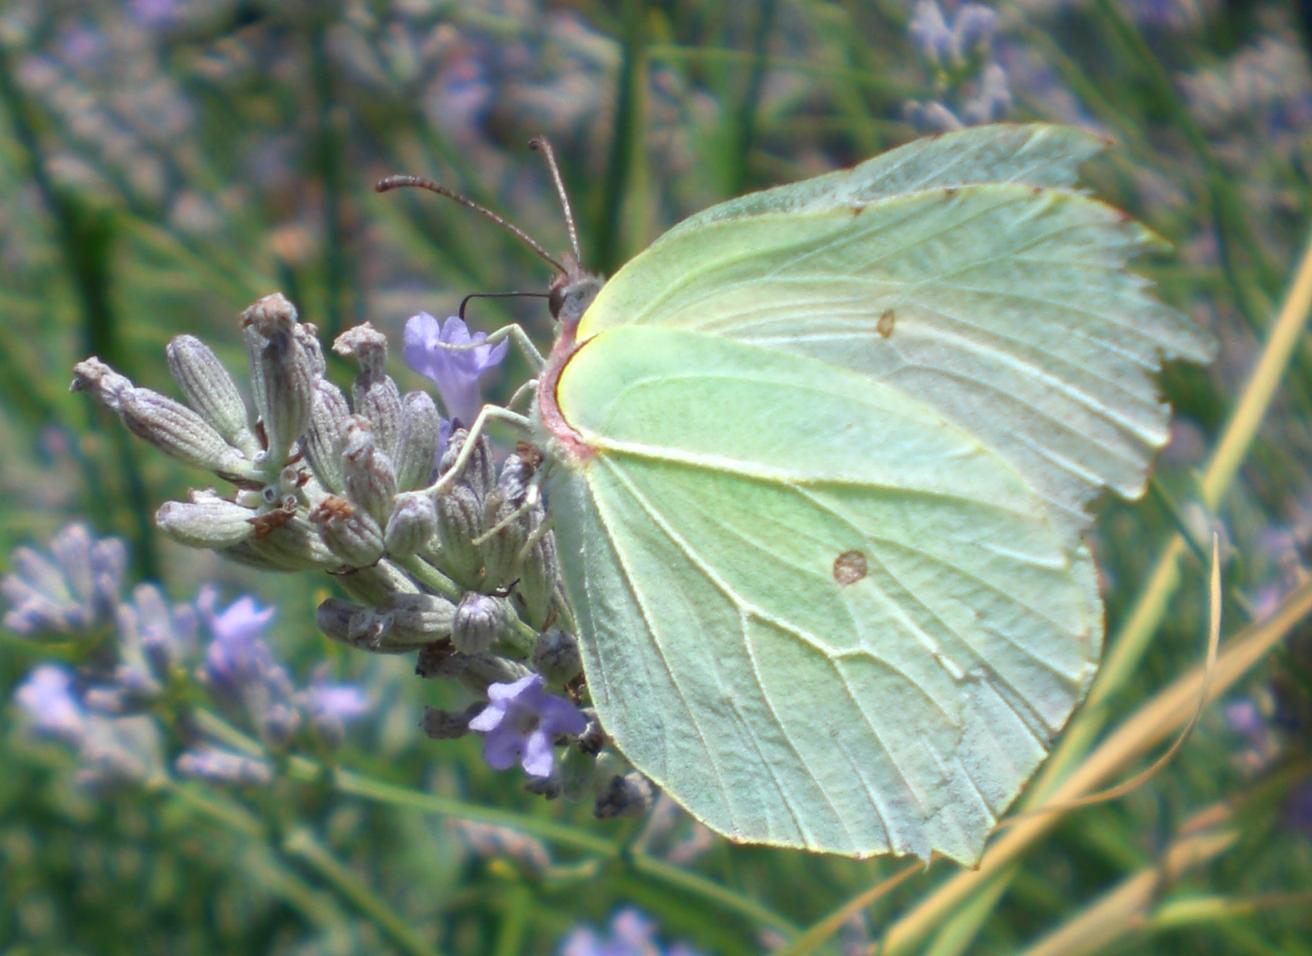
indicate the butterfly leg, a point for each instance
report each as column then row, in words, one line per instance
column 486, row 414
column 531, row 497
column 515, row 333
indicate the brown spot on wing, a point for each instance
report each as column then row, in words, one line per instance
column 884, row 326
column 849, row 567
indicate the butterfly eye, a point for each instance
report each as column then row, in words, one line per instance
column 570, row 295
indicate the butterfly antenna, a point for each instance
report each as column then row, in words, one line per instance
column 419, row 182
column 542, row 145
column 496, row 295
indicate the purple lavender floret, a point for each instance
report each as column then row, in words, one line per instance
column 631, row 934
column 455, row 373
column 48, row 699
column 331, row 706
column 519, row 723
column 237, row 655
column 216, row 765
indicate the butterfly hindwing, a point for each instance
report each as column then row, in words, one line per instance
column 814, row 611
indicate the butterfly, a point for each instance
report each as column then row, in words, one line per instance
column 820, row 463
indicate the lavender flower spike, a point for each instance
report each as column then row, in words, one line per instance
column 519, row 723
column 455, row 373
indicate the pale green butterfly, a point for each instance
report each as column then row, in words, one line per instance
column 820, row 462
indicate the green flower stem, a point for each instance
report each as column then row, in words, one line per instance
column 431, row 578
column 301, row 844
column 347, row 782
column 317, row 907
column 522, row 638
column 379, row 791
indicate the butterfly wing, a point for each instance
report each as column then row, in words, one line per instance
column 814, row 611
column 1007, row 306
column 924, row 368
column 1035, row 154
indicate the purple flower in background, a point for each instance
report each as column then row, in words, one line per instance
column 631, row 934
column 519, row 723
column 345, row 702
column 223, row 766
column 944, row 42
column 455, row 373
column 72, row 592
column 153, row 13
column 237, row 654
column 330, row 707
column 48, row 699
column 240, row 668
column 111, row 750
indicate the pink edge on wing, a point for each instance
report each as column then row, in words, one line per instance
column 548, row 405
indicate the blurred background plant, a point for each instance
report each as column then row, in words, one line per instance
column 164, row 163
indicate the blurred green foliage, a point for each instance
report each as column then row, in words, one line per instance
column 163, row 163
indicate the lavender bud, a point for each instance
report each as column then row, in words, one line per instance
column 178, row 431
column 168, row 425
column 475, row 671
column 288, row 374
column 329, row 706
column 209, row 389
column 593, row 738
column 295, row 545
column 71, row 550
column 449, row 724
column 412, row 524
column 479, row 621
column 480, row 472
column 367, row 471
column 375, row 395
column 513, row 482
column 421, row 429
column 556, row 656
column 223, row 766
column 326, row 433
column 278, row 724
column 418, row 619
column 262, row 320
column 349, row 533
column 105, row 384
column 206, row 521
column 501, row 551
column 132, row 691
column 539, row 573
column 165, row 633
column 459, row 522
column 375, row 584
column 351, row 623
column 626, row 795
column 526, row 855
column 307, row 334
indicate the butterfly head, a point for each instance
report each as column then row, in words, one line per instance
column 571, row 293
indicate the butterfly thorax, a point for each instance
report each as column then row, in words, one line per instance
column 568, row 298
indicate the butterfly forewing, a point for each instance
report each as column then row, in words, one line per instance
column 1007, row 307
